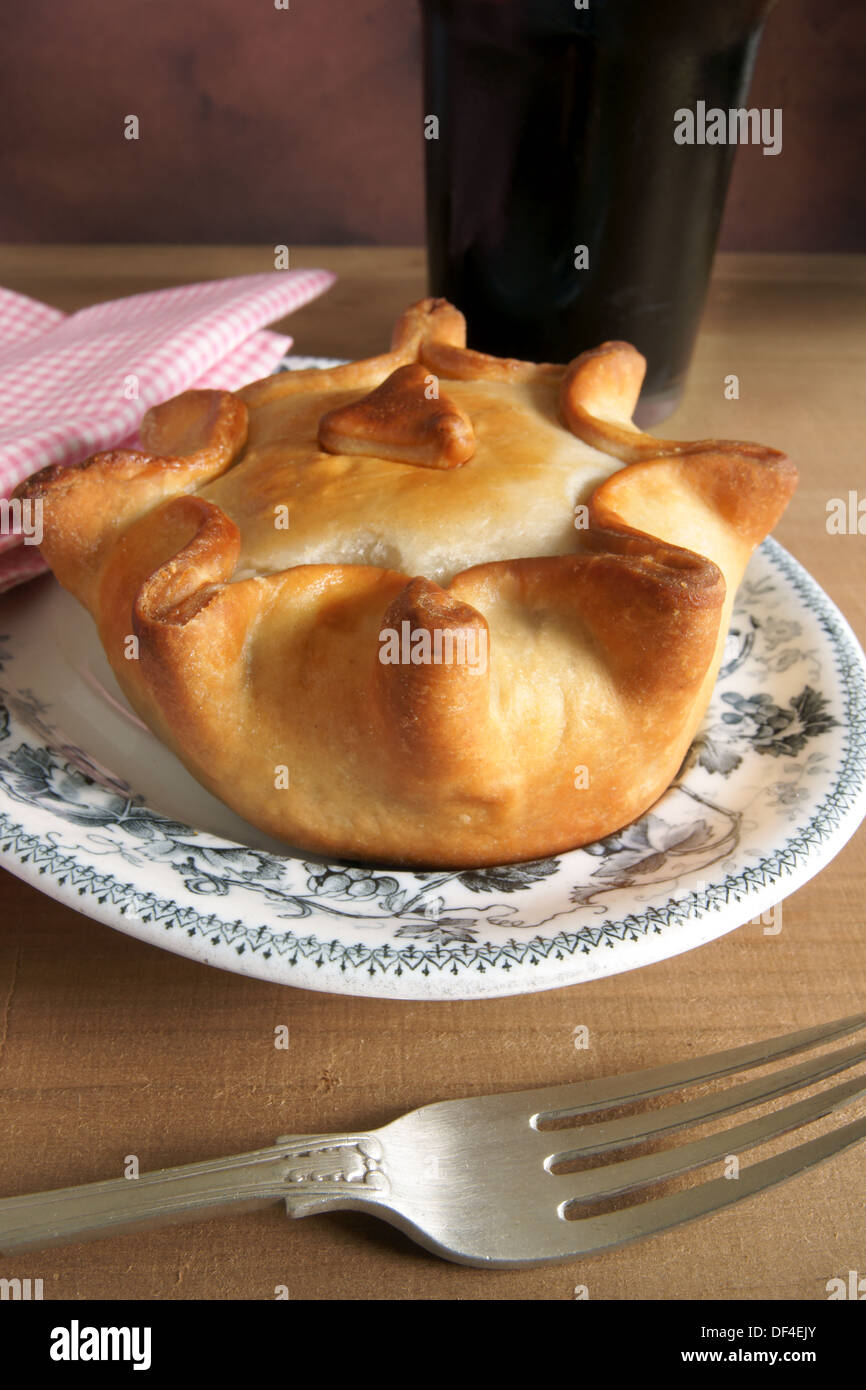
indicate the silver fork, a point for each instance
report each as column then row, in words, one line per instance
column 471, row 1180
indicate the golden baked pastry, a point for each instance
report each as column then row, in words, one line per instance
column 432, row 608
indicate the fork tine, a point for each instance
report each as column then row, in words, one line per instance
column 582, row 1097
column 597, row 1233
column 634, row 1173
column 596, row 1138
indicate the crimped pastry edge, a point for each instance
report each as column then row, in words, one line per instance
column 188, row 602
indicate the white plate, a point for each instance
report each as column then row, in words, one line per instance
column 97, row 813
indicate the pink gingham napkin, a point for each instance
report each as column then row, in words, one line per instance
column 74, row 386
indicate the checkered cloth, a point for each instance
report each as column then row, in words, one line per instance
column 74, row 386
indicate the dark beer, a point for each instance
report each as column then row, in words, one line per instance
column 556, row 133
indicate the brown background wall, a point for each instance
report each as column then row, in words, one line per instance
column 305, row 125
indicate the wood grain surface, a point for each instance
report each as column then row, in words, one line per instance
column 109, row 1047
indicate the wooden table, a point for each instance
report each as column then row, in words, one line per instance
column 109, row 1047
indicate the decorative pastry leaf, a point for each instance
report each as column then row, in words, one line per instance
column 408, row 419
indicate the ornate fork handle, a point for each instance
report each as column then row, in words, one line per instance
column 309, row 1172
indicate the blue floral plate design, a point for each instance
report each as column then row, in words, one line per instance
column 97, row 813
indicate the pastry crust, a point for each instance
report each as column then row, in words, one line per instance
column 431, row 608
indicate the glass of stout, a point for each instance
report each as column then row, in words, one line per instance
column 561, row 211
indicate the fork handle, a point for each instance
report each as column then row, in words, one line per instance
column 309, row 1172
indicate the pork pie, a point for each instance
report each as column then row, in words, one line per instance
column 433, row 608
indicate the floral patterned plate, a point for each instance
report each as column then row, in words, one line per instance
column 94, row 811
